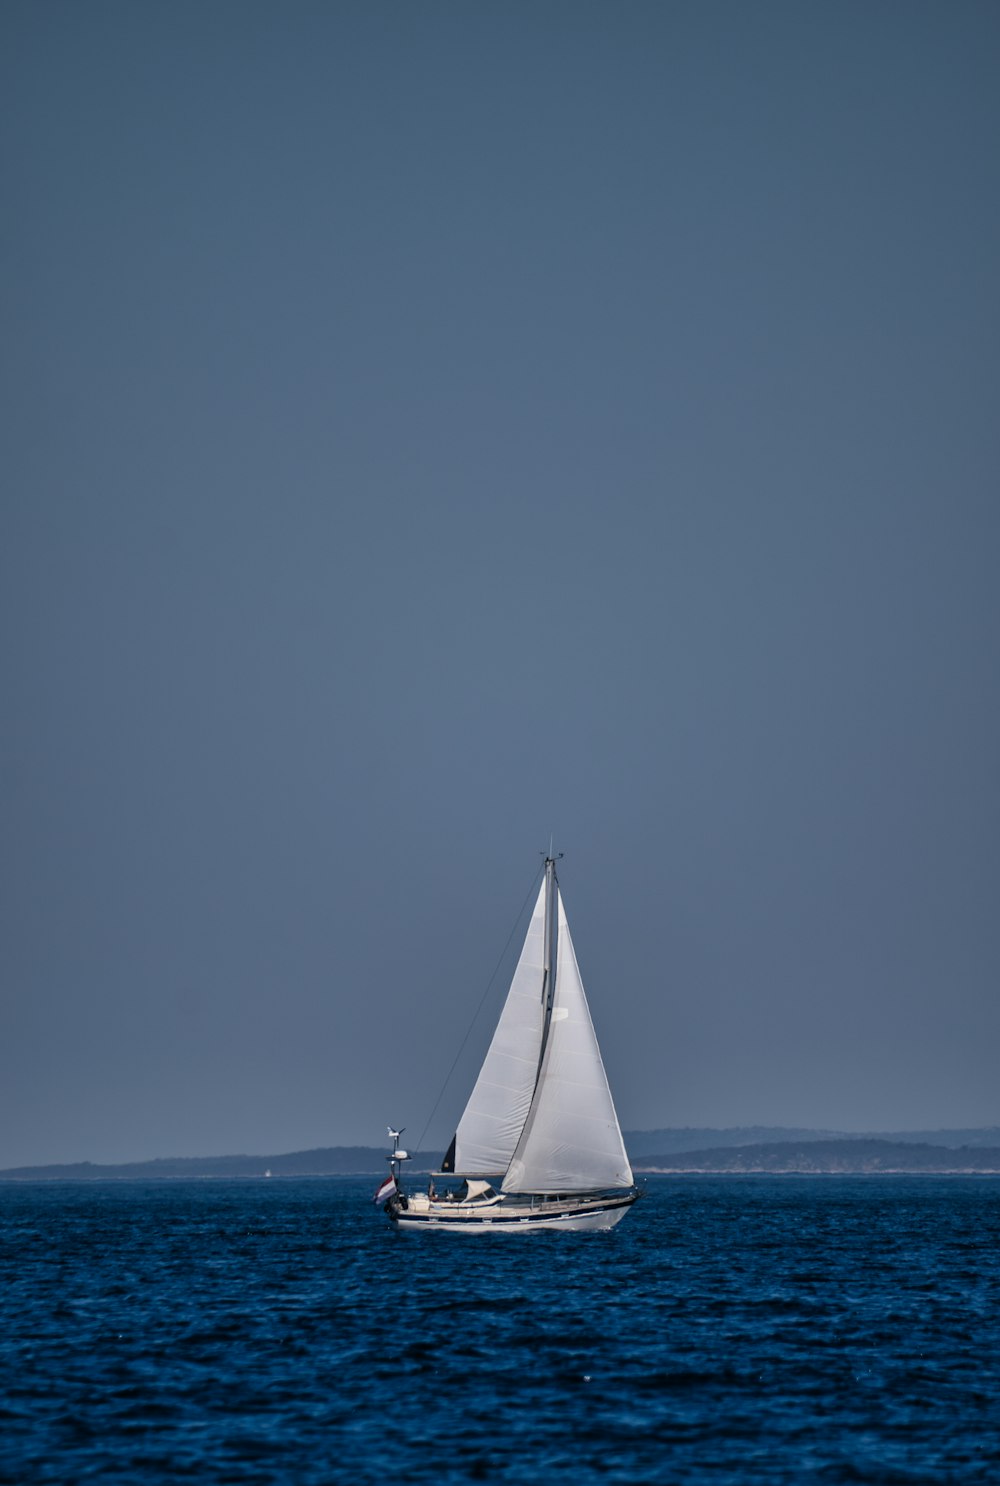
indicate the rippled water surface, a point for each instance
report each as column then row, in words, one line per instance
column 730, row 1330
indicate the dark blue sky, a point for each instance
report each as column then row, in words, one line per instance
column 431, row 426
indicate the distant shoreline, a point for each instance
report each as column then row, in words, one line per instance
column 795, row 1171
column 808, row 1154
column 640, row 1172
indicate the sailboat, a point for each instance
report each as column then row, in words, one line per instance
column 539, row 1144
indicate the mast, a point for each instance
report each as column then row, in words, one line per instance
column 551, row 942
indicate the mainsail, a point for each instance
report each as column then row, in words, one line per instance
column 571, row 1140
column 494, row 1117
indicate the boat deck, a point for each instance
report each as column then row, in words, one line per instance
column 594, row 1211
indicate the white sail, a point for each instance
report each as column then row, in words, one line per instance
column 571, row 1139
column 498, row 1106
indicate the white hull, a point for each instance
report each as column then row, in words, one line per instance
column 593, row 1216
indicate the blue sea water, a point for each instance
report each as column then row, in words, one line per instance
column 730, row 1330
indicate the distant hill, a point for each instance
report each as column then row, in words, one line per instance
column 740, row 1149
column 640, row 1143
column 859, row 1155
column 344, row 1160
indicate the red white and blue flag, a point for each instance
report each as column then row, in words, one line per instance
column 386, row 1190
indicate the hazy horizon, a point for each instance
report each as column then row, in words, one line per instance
column 376, row 1145
column 430, row 428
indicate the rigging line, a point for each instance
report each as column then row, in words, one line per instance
column 475, row 1016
